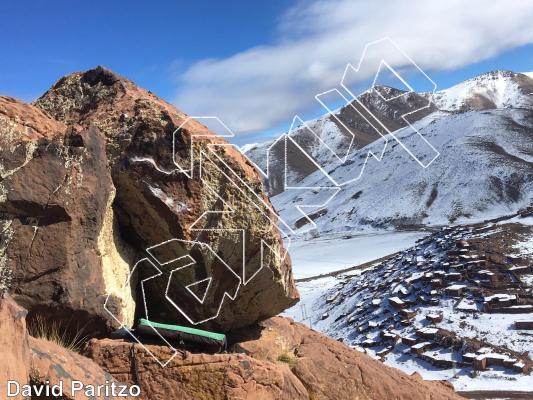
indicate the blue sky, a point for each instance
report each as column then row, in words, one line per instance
column 148, row 42
column 254, row 64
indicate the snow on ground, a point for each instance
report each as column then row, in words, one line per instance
column 495, row 379
column 397, row 191
column 521, row 220
column 525, row 247
column 320, row 256
column 498, row 379
column 499, row 87
column 527, row 280
column 310, row 292
column 492, row 328
column 340, row 306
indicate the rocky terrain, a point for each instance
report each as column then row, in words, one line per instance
column 277, row 359
column 458, row 305
column 336, row 136
column 116, row 206
column 29, row 360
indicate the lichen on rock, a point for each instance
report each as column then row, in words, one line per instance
column 89, row 182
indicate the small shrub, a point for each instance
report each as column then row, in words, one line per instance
column 287, row 358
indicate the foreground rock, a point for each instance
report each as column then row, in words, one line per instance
column 284, row 361
column 57, row 365
column 330, row 369
column 90, row 180
column 195, row 376
column 27, row 360
column 278, row 360
column 14, row 346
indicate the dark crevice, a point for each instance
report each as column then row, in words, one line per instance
column 38, row 276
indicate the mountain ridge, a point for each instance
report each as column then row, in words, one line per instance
column 492, row 138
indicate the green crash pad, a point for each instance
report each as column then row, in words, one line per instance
column 182, row 333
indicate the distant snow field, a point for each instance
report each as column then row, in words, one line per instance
column 497, row 379
column 310, row 292
column 320, row 256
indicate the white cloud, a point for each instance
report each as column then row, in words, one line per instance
column 264, row 86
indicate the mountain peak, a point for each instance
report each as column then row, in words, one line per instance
column 499, row 73
column 490, row 90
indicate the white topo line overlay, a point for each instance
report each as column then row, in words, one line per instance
column 209, row 155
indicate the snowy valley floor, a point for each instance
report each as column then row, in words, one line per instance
column 357, row 306
column 332, row 253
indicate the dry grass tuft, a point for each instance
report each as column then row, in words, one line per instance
column 53, row 331
column 288, row 358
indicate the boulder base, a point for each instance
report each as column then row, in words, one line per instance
column 278, row 359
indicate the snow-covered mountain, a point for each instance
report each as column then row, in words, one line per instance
column 497, row 89
column 347, row 131
column 482, row 128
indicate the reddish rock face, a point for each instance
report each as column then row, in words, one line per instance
column 90, row 180
column 279, row 359
column 14, row 346
column 55, row 364
column 195, row 376
column 55, row 191
column 330, row 369
column 27, row 360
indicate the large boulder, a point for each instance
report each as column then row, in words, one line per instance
column 55, row 210
column 97, row 172
column 154, row 153
column 278, row 359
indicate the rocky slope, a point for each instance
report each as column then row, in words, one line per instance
column 90, row 178
column 278, row 359
column 335, row 136
column 455, row 306
column 496, row 89
column 483, row 125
